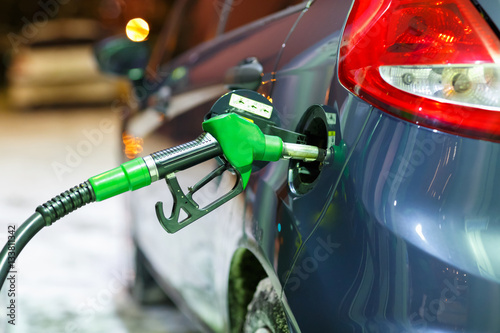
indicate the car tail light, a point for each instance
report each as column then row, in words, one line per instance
column 434, row 63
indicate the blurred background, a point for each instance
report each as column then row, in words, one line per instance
column 46, row 47
column 61, row 121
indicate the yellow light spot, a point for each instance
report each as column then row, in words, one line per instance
column 137, row 30
column 250, row 120
column 133, row 145
column 268, row 98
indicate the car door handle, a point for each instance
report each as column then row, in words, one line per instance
column 246, row 75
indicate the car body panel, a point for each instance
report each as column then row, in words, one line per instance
column 209, row 62
column 188, row 250
column 306, row 67
column 402, row 257
column 492, row 7
column 397, row 234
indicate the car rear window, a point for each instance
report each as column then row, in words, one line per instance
column 242, row 12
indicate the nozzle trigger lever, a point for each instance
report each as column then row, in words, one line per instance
column 185, row 202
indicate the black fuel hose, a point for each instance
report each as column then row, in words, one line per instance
column 23, row 235
column 45, row 215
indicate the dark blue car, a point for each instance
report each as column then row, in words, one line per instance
column 398, row 230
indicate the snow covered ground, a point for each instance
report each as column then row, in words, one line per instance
column 72, row 277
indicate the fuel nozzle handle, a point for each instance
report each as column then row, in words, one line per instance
column 142, row 171
column 182, row 157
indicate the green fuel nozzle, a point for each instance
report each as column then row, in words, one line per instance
column 242, row 128
column 237, row 139
column 233, row 134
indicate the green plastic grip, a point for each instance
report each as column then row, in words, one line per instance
column 129, row 176
column 243, row 142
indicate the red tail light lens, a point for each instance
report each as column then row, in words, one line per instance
column 434, row 63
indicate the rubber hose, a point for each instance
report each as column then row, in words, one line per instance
column 45, row 215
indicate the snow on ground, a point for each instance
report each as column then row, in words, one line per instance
column 72, row 276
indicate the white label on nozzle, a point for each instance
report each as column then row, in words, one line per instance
column 249, row 105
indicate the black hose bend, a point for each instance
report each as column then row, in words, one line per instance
column 13, row 247
column 45, row 215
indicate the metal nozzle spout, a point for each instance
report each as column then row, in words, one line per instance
column 303, row 152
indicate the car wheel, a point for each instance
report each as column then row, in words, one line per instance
column 265, row 311
column 145, row 290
